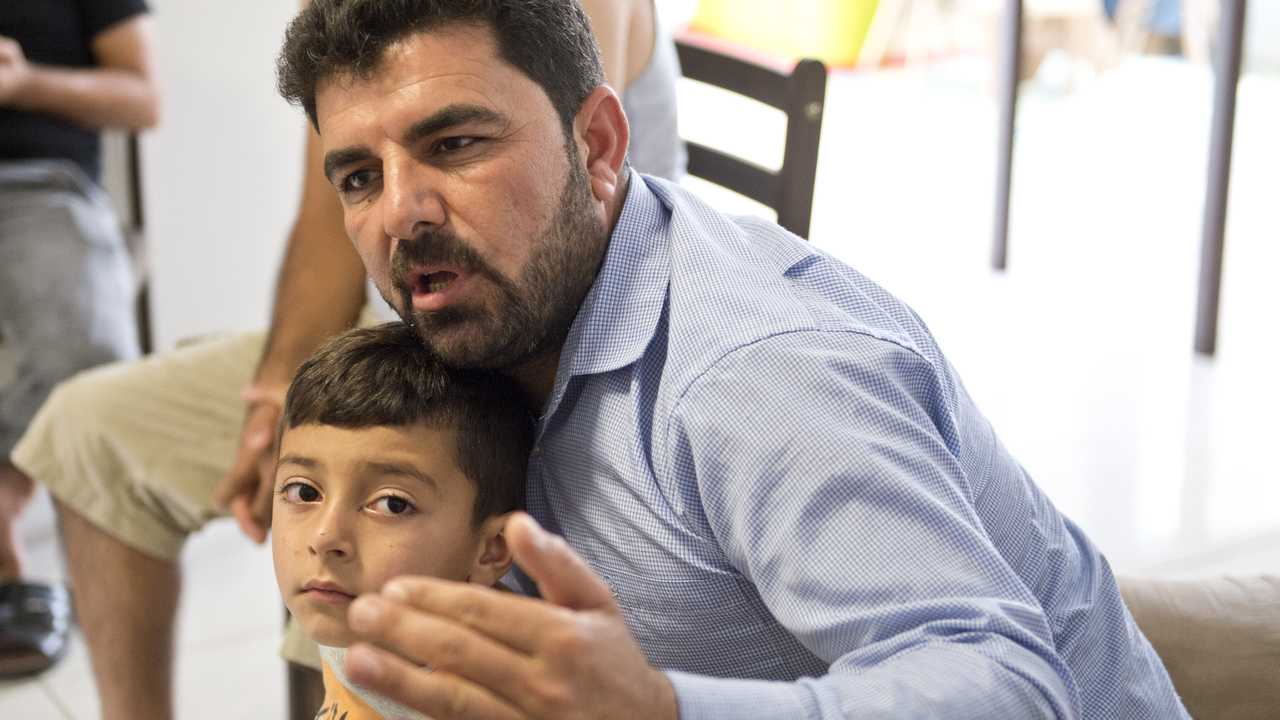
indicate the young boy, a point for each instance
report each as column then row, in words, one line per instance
column 390, row 464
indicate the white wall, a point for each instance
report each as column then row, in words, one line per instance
column 222, row 172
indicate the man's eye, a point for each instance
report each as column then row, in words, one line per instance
column 452, row 144
column 357, row 181
column 299, row 492
column 392, row 505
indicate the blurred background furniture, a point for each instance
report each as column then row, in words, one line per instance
column 1222, row 132
column 1230, row 39
column 1219, row 640
column 799, row 93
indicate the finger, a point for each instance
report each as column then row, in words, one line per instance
column 257, row 436
column 235, row 483
column 516, row 621
column 238, row 480
column 269, row 394
column 563, row 577
column 244, row 518
column 260, row 427
column 440, row 695
column 261, row 506
column 442, row 645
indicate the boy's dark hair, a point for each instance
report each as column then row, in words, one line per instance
column 384, row 376
column 550, row 41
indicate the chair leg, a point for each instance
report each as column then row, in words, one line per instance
column 306, row 692
column 1230, row 34
column 1010, row 70
column 143, row 309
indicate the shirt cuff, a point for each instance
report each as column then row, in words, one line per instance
column 708, row 698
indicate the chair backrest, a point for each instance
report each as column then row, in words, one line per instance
column 800, row 94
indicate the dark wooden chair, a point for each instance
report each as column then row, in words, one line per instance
column 800, row 94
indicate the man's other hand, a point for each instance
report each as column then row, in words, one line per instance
column 456, row 650
column 246, row 489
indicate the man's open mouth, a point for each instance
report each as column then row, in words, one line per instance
column 430, row 283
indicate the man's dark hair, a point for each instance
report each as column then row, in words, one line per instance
column 550, row 41
column 383, row 376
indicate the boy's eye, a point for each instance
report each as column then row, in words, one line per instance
column 297, row 492
column 392, row 505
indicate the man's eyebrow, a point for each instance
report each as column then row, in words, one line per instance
column 443, row 119
column 380, row 467
column 448, row 117
column 300, row 460
column 336, row 159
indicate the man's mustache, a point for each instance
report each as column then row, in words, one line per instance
column 438, row 247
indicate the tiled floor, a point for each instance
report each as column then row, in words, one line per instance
column 1079, row 354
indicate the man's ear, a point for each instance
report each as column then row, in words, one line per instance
column 493, row 559
column 602, row 134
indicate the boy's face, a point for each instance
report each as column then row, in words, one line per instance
column 355, row 508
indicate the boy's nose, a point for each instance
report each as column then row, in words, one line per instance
column 330, row 542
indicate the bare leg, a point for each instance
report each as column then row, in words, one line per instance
column 15, row 490
column 126, row 602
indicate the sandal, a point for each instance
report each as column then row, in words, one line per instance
column 34, row 624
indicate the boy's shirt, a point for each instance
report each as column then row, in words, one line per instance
column 340, row 703
column 343, row 701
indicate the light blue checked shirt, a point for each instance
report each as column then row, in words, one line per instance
column 799, row 509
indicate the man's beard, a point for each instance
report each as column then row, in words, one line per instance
column 524, row 319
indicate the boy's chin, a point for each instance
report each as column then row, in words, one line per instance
column 328, row 631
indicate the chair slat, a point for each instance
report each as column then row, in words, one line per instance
column 736, row 174
column 734, row 74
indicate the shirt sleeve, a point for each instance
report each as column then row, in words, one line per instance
column 826, row 465
column 99, row 15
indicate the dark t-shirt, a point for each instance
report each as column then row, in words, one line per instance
column 56, row 32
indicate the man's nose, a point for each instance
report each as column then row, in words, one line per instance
column 411, row 198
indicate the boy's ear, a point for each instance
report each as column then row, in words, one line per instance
column 493, row 559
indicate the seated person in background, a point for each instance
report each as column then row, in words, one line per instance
column 131, row 480
column 68, row 68
column 390, row 464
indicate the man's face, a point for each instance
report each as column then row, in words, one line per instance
column 471, row 213
column 355, row 508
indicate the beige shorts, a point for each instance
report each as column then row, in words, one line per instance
column 137, row 448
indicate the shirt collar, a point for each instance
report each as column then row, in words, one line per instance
column 618, row 318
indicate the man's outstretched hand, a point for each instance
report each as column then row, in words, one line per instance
column 245, row 491
column 457, row 650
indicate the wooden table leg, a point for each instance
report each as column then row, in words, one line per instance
column 1227, row 66
column 1010, row 70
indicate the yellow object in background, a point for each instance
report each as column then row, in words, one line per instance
column 830, row 30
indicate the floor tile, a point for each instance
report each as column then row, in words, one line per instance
column 28, row 700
